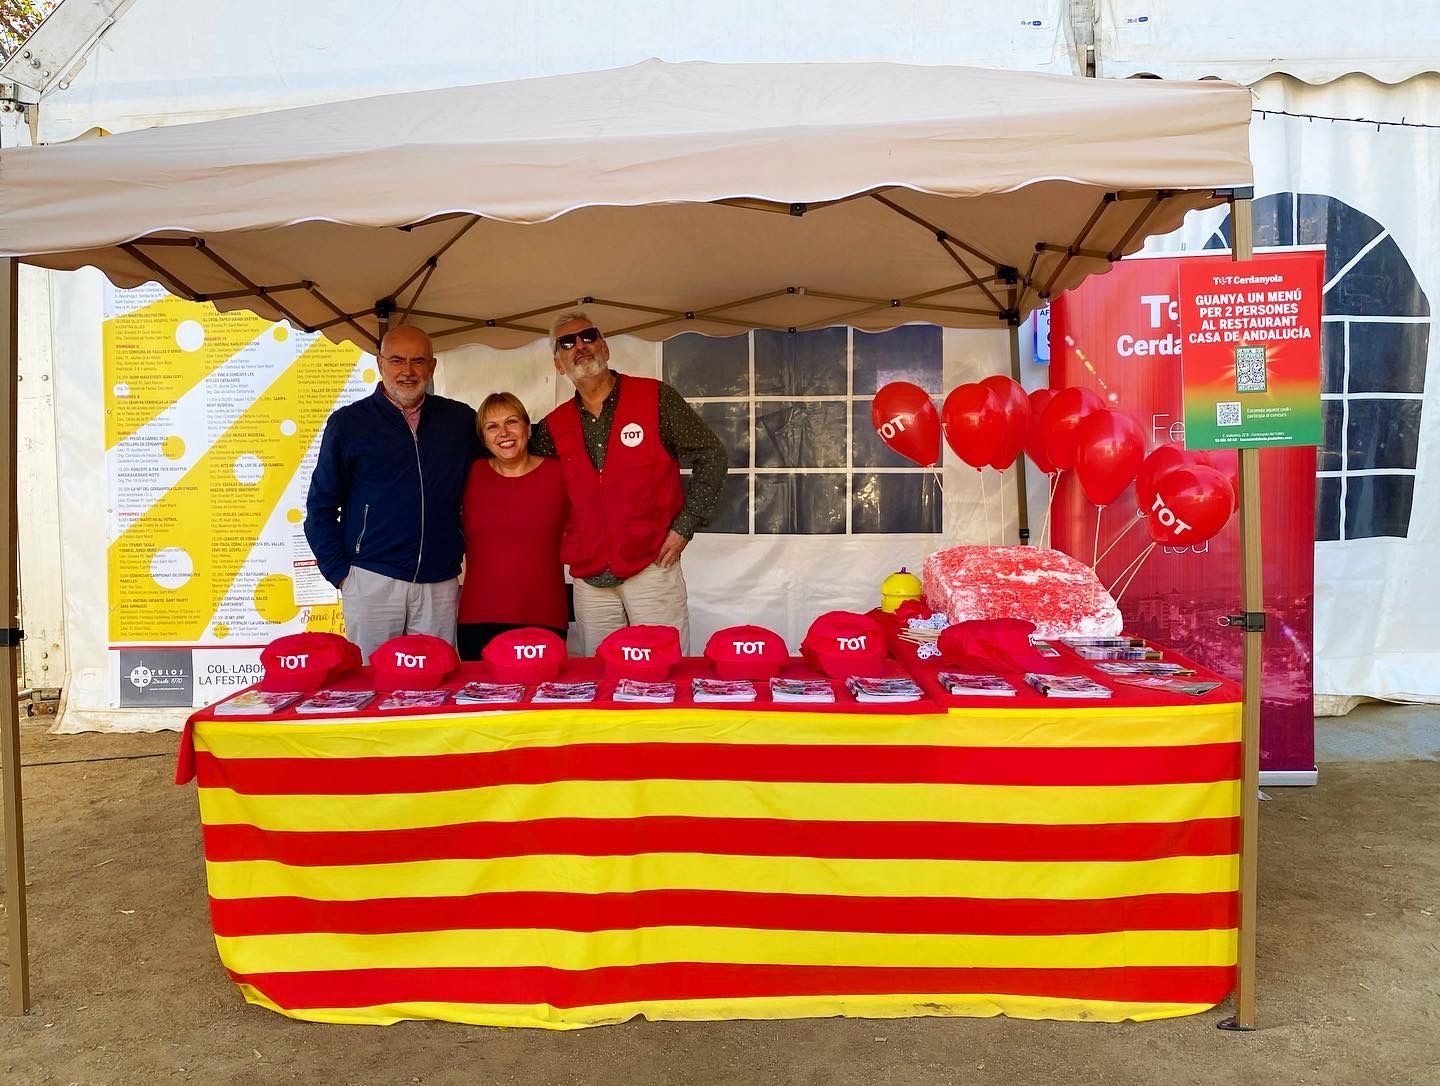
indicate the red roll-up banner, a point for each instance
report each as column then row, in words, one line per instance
column 1119, row 334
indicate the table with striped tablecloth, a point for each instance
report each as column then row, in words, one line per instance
column 571, row 867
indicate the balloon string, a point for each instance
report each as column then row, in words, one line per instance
column 1049, row 506
column 1143, row 555
column 1128, row 567
column 985, row 505
column 1095, row 548
column 1133, row 521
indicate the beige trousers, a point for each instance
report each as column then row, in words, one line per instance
column 654, row 596
column 378, row 608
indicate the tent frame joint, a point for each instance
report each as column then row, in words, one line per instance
column 11, row 635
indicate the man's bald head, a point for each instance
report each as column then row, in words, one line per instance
column 407, row 362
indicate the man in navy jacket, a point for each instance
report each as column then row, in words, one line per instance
column 383, row 512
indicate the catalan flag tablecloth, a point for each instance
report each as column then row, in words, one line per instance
column 569, row 868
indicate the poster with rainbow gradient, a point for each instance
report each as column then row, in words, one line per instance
column 1250, row 353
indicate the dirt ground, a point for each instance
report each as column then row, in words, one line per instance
column 127, row 987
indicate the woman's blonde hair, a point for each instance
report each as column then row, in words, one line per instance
column 507, row 400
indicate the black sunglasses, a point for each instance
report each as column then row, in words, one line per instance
column 568, row 340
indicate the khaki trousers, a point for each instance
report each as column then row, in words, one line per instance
column 378, row 608
column 654, row 596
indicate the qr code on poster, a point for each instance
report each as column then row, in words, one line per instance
column 1250, row 369
column 1227, row 414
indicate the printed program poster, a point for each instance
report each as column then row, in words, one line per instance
column 212, row 426
column 1251, row 354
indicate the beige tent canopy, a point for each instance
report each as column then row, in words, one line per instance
column 680, row 197
column 671, row 197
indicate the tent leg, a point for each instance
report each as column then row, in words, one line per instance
column 1252, row 592
column 15, row 915
column 1022, row 503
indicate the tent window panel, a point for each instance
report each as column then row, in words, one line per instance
column 1272, row 219
column 882, row 504
column 699, row 366
column 1378, row 505
column 909, row 353
column 1388, row 357
column 867, row 448
column 800, row 504
column 1332, row 417
column 1336, row 225
column 799, row 434
column 1332, row 357
column 731, row 423
column 1382, row 434
column 733, row 516
column 1327, row 509
column 801, row 363
column 1381, row 284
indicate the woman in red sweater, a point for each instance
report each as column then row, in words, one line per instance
column 513, row 513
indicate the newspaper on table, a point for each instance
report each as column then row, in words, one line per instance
column 1144, row 667
column 722, row 690
column 564, row 693
column 814, row 690
column 963, row 685
column 1172, row 684
column 868, row 689
column 336, row 701
column 653, row 693
column 1067, row 686
column 257, row 703
column 414, row 699
column 483, row 693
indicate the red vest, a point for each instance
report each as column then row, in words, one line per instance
column 619, row 517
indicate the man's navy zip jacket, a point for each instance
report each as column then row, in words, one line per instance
column 387, row 500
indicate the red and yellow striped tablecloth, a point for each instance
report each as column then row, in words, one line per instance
column 576, row 867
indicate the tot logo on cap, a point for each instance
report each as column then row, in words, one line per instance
column 843, row 643
column 528, row 655
column 746, row 652
column 305, row 662
column 413, row 662
column 646, row 653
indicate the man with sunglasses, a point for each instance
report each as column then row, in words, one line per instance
column 383, row 511
column 620, row 440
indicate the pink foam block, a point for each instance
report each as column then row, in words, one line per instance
column 1061, row 596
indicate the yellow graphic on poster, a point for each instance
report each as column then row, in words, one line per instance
column 212, row 423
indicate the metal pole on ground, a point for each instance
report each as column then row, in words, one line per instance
column 1021, row 498
column 17, row 942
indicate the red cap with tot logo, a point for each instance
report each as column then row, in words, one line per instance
column 305, row 662
column 747, row 652
column 844, row 643
column 528, row 655
column 646, row 653
column 413, row 662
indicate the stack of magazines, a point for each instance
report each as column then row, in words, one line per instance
column 335, row 701
column 815, row 690
column 1067, row 686
column 873, row 690
column 414, row 699
column 1144, row 667
column 564, row 692
column 1172, row 684
column 972, row 686
column 653, row 693
column 483, row 693
column 1111, row 648
column 722, row 690
column 256, row 703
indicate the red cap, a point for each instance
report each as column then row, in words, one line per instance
column 413, row 662
column 747, row 652
column 304, row 662
column 646, row 653
column 529, row 655
column 992, row 644
column 843, row 643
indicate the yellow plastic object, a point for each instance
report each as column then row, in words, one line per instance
column 897, row 588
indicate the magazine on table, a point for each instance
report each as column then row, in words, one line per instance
column 1044, row 648
column 722, row 690
column 1144, row 667
column 1172, row 684
column 963, row 685
column 561, row 693
column 1067, row 686
column 414, row 699
column 801, row 690
column 257, row 703
column 483, row 693
column 867, row 689
column 1117, row 642
column 1116, row 652
column 336, row 701
column 660, row 693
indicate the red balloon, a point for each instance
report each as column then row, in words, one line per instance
column 974, row 424
column 1062, row 418
column 1034, row 442
column 1160, row 460
column 1015, row 411
column 1109, row 446
column 905, row 418
column 1227, row 463
column 1191, row 505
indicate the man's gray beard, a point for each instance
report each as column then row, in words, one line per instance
column 584, row 370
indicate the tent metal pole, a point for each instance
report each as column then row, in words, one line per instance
column 17, row 938
column 1022, row 505
column 1252, row 592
